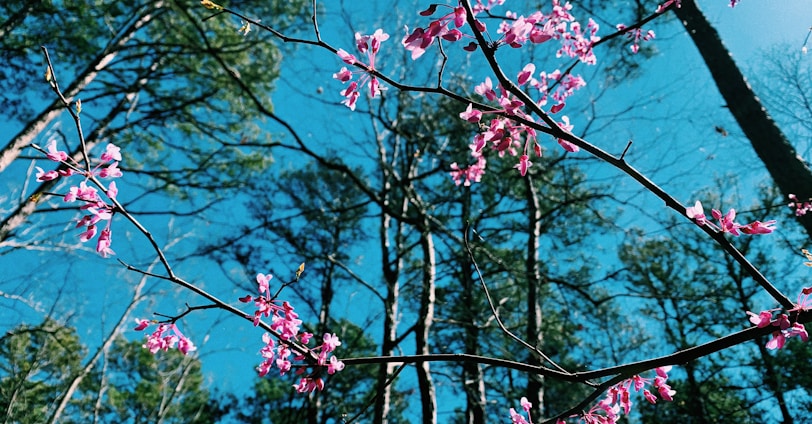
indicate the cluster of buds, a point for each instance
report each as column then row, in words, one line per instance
column 97, row 208
column 292, row 341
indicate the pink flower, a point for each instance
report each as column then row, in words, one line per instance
column 334, row 366
column 331, row 342
column 343, row 74
column 661, row 8
column 82, row 192
column 369, row 45
column 726, row 224
column 650, row 397
column 54, row 154
column 142, row 324
column 523, row 165
column 486, row 89
column 263, row 282
column 566, row 126
column 417, row 41
column 516, row 418
column 46, row 176
column 777, row 341
column 526, row 405
column 111, row 171
column 761, row 320
column 112, row 190
column 351, row 95
column 166, row 337
column 804, row 300
column 526, row 74
column 111, row 153
column 309, row 384
column 104, row 242
column 88, row 234
column 471, row 114
column 666, row 392
column 758, row 227
column 346, row 57
column 696, row 212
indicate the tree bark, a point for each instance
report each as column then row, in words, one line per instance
column 428, row 398
column 36, row 126
column 533, row 333
column 472, row 376
column 788, row 170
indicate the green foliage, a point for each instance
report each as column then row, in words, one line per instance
column 143, row 388
column 39, row 363
column 36, row 365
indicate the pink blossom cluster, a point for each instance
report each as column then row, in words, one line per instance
column 727, row 223
column 558, row 25
column 618, row 397
column 801, row 208
column 98, row 210
column 784, row 329
column 419, row 39
column 287, row 325
column 504, row 135
column 165, row 337
column 636, row 35
column 369, row 45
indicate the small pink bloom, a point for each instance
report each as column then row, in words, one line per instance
column 142, row 324
column 111, row 153
column 523, row 165
column 777, row 341
column 526, row 74
column 112, row 190
column 696, row 212
column 331, row 342
column 104, row 242
column 726, row 223
column 471, row 114
column 46, row 176
column 459, row 16
column 650, row 397
column 761, row 320
column 343, row 74
column 263, row 282
column 335, row 365
column 88, row 234
column 526, row 405
column 111, row 171
column 666, row 392
column 54, row 154
column 758, row 227
column 346, row 57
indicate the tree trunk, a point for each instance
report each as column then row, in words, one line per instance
column 428, row 398
column 35, row 127
column 472, row 375
column 533, row 334
column 790, row 173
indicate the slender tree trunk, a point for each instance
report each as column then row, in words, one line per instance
column 21, row 213
column 790, row 173
column 391, row 276
column 35, row 127
column 102, row 351
column 472, row 376
column 533, row 333
column 428, row 398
